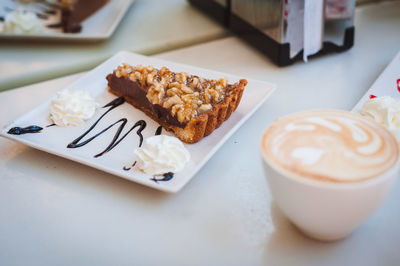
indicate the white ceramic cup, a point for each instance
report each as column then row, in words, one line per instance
column 326, row 210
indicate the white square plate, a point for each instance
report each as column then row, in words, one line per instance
column 387, row 84
column 55, row 139
column 99, row 26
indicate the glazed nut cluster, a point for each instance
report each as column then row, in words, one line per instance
column 186, row 96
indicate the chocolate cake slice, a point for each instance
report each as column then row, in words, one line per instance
column 74, row 12
column 190, row 106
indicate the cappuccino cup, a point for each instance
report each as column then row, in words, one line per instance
column 329, row 170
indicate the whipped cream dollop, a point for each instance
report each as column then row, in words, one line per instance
column 72, row 107
column 162, row 154
column 384, row 110
column 22, row 22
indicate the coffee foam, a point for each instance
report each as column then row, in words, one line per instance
column 330, row 145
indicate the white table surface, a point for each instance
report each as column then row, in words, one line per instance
column 148, row 27
column 57, row 212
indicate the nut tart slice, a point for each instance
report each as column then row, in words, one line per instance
column 190, row 106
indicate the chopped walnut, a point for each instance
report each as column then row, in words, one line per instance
column 223, row 82
column 204, row 108
column 155, row 94
column 185, row 95
column 191, row 98
column 174, row 91
column 186, row 89
column 195, row 81
column 172, row 101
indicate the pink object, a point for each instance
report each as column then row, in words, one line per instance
column 398, row 85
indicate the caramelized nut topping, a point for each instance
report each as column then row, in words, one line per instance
column 204, row 108
column 185, row 95
column 171, row 101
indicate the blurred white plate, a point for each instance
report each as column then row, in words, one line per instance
column 99, row 26
column 55, row 139
column 387, row 84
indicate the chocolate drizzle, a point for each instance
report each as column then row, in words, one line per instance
column 41, row 16
column 113, row 104
column 158, row 131
column 129, row 168
column 25, row 130
column 78, row 142
column 117, row 139
column 54, row 26
column 165, row 177
column 50, row 11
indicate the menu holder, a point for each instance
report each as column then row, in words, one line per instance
column 287, row 30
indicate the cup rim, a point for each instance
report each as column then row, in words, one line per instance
column 330, row 184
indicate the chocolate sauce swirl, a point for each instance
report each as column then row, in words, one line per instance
column 113, row 104
column 117, row 139
column 24, row 130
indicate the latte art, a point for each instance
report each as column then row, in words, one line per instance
column 330, row 145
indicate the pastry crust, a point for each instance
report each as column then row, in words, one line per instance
column 197, row 127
